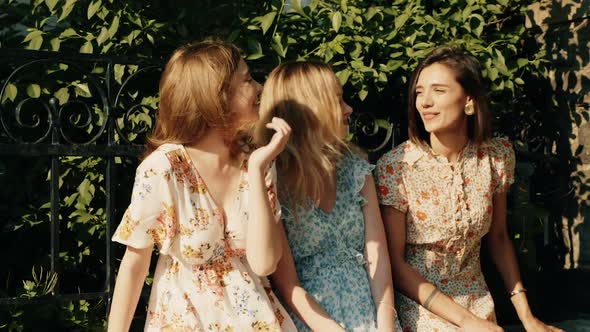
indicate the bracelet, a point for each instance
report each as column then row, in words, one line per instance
column 430, row 298
column 392, row 307
column 514, row 292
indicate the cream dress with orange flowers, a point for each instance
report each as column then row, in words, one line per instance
column 448, row 210
column 202, row 281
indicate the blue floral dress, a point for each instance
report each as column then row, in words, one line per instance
column 328, row 251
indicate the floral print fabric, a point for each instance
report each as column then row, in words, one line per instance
column 448, row 210
column 328, row 251
column 202, row 280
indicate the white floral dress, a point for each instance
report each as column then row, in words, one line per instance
column 448, row 210
column 202, row 280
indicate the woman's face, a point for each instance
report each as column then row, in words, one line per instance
column 441, row 100
column 245, row 99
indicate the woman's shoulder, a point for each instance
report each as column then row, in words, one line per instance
column 160, row 158
column 497, row 147
column 407, row 152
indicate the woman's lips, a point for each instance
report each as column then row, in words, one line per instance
column 429, row 115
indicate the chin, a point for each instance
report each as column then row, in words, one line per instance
column 430, row 129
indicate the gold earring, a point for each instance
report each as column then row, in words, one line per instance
column 469, row 109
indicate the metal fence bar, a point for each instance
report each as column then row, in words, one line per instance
column 105, row 144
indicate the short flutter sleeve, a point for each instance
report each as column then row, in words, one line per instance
column 151, row 216
column 271, row 189
column 360, row 167
column 503, row 164
column 391, row 189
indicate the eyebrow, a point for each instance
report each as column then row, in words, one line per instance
column 436, row 85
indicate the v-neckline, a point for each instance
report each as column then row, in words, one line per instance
column 213, row 202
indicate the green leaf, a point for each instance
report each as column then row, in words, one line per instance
column 363, row 94
column 295, row 6
column 336, row 47
column 503, row 2
column 51, row 4
column 344, row 5
column 518, row 81
column 336, row 21
column 131, row 36
column 103, row 36
column 494, row 9
column 522, row 62
column 106, row 47
column 114, row 27
column 86, row 48
column 500, row 63
column 370, row 13
column 84, row 191
column 266, row 21
column 93, row 8
column 62, row 95
column 477, row 28
column 119, row 71
column 69, row 32
column 343, row 75
column 493, row 74
column 277, row 45
column 55, row 44
column 33, row 35
column 82, row 89
column 34, row 90
column 400, row 21
column 67, row 9
column 10, row 92
column 35, row 43
column 255, row 50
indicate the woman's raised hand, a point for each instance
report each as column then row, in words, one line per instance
column 262, row 156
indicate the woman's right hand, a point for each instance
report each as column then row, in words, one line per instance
column 262, row 156
column 476, row 324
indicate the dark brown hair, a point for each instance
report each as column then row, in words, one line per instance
column 195, row 92
column 468, row 74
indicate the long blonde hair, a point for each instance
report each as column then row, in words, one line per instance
column 305, row 95
column 194, row 92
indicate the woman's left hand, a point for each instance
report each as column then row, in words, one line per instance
column 262, row 156
column 532, row 324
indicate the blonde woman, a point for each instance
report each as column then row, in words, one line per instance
column 334, row 272
column 210, row 208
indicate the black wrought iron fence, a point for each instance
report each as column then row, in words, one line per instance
column 58, row 107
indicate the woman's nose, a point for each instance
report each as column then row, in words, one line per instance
column 348, row 109
column 425, row 99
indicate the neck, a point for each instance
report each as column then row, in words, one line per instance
column 449, row 144
column 214, row 147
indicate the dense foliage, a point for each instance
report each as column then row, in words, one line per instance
column 372, row 45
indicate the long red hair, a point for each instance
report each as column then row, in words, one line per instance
column 194, row 93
